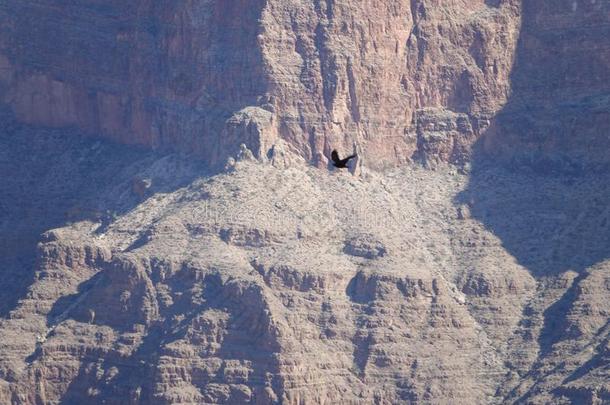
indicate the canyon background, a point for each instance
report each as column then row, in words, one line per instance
column 170, row 231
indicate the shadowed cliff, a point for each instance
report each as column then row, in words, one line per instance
column 549, row 204
column 539, row 181
column 51, row 178
column 557, row 118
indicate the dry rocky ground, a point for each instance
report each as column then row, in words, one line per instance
column 283, row 283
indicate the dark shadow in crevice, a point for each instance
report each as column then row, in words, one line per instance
column 600, row 359
column 362, row 351
column 555, row 324
column 493, row 3
column 62, row 308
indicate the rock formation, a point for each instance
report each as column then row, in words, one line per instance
column 139, row 275
column 258, row 286
column 317, row 75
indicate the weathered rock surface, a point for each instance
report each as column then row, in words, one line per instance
column 134, row 278
column 260, row 286
column 318, row 75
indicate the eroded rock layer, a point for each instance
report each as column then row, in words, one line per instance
column 206, row 76
column 292, row 285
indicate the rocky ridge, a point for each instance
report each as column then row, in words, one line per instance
column 262, row 285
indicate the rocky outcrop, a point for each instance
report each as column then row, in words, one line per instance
column 366, row 246
column 205, row 77
column 443, row 136
column 257, row 286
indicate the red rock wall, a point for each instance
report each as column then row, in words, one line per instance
column 205, row 77
column 163, row 76
column 333, row 74
column 348, row 74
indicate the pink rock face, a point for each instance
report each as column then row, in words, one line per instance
column 205, row 77
column 331, row 74
column 367, row 70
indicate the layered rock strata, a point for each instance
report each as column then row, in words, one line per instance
column 205, row 77
column 259, row 286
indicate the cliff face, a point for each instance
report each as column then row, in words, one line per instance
column 207, row 76
column 358, row 76
column 129, row 277
column 164, row 75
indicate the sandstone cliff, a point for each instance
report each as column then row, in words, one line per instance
column 135, row 277
column 208, row 76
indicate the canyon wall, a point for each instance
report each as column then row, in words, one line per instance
column 160, row 74
column 206, row 76
column 130, row 277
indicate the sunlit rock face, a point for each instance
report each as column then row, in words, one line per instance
column 328, row 74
